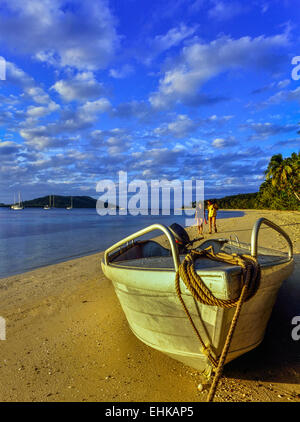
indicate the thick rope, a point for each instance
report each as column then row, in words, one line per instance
column 250, row 282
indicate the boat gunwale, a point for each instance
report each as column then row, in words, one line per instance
column 128, row 267
column 252, row 247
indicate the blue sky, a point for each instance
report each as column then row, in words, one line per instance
column 163, row 90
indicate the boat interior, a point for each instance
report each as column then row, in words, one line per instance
column 151, row 254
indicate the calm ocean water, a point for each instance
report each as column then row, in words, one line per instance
column 32, row 238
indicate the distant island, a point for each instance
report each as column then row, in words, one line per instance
column 62, row 202
column 279, row 191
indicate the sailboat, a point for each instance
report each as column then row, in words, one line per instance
column 71, row 206
column 48, row 207
column 18, row 206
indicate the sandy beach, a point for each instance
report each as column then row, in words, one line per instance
column 67, row 338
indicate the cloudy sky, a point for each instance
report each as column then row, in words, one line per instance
column 176, row 89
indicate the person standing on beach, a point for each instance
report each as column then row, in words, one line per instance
column 212, row 215
column 200, row 217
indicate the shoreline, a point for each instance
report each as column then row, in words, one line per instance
column 68, row 340
column 70, row 258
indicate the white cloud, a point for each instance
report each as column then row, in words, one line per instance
column 267, row 129
column 39, row 138
column 222, row 10
column 284, row 96
column 8, row 147
column 200, row 62
column 40, row 111
column 219, row 143
column 179, row 128
column 82, row 87
column 38, row 95
column 18, row 77
column 283, row 83
column 171, row 39
column 115, row 141
column 224, row 142
column 54, row 134
column 91, row 109
column 152, row 47
column 122, row 73
column 99, row 135
column 264, row 7
column 77, row 34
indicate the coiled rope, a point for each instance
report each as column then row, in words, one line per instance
column 250, row 278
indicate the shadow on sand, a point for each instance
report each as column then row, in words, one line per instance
column 277, row 358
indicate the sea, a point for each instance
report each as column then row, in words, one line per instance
column 32, row 238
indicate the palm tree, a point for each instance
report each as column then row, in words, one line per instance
column 284, row 173
column 295, row 179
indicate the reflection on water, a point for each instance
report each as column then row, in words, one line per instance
column 34, row 237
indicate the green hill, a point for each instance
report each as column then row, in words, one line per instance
column 240, row 201
column 62, row 202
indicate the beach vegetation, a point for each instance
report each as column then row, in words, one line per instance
column 279, row 191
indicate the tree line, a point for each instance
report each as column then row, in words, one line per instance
column 279, row 191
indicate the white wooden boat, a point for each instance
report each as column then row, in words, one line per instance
column 143, row 274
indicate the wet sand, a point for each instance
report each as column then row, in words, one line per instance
column 67, row 338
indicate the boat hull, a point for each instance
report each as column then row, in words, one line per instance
column 156, row 316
